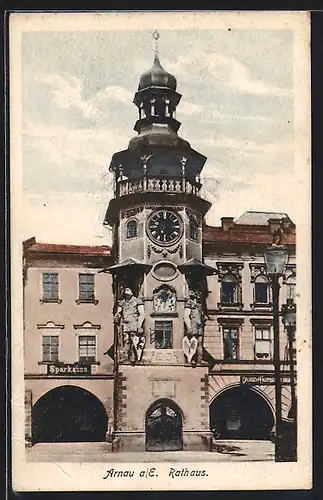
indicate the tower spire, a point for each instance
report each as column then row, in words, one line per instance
column 156, row 37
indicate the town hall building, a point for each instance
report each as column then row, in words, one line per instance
column 165, row 339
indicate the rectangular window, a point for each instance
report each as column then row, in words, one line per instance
column 261, row 293
column 50, row 286
column 228, row 292
column 50, row 345
column 87, row 348
column 163, row 334
column 86, row 287
column 230, row 343
column 263, row 347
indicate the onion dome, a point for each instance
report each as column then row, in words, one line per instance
column 157, row 77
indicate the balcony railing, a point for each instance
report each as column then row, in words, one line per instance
column 126, row 186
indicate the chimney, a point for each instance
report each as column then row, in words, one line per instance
column 273, row 225
column 227, row 223
column 286, row 223
column 27, row 243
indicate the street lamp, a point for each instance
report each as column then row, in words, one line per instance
column 276, row 257
column 289, row 320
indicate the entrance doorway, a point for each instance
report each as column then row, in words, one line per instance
column 241, row 413
column 68, row 414
column 164, row 427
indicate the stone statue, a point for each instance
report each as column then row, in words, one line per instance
column 129, row 317
column 194, row 321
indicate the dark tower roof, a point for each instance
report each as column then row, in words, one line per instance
column 157, row 77
column 157, row 150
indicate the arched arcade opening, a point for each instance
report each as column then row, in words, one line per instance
column 68, row 414
column 241, row 413
column 163, row 426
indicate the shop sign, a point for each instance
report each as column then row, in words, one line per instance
column 262, row 380
column 68, row 369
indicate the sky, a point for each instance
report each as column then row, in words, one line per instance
column 77, row 91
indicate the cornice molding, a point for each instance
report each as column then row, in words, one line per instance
column 87, row 325
column 232, row 267
column 230, row 321
column 50, row 325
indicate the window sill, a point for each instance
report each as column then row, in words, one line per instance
column 260, row 305
column 96, row 363
column 61, row 363
column 164, row 315
column 230, row 305
column 87, row 301
column 50, row 301
column 50, row 363
column 245, row 361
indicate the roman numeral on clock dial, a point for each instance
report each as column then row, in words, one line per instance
column 164, row 227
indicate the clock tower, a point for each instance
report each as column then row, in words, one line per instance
column 159, row 279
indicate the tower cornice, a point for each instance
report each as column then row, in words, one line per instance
column 192, row 201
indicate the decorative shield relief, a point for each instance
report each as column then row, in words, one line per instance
column 138, row 345
column 189, row 346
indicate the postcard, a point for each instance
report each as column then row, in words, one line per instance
column 160, row 170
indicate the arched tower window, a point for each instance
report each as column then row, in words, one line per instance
column 164, row 300
column 132, row 229
column 167, row 111
column 160, row 106
column 142, row 112
column 230, row 290
column 193, row 228
column 261, row 290
column 152, row 107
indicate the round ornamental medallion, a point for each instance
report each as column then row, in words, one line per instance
column 164, row 227
column 164, row 271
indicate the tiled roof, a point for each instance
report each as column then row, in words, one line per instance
column 259, row 218
column 213, row 235
column 86, row 250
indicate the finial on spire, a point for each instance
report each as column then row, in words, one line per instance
column 156, row 36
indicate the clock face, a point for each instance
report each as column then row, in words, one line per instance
column 164, row 227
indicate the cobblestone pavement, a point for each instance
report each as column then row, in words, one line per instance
column 224, row 451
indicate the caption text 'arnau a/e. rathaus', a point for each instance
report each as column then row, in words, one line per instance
column 152, row 472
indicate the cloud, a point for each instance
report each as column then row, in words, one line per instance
column 225, row 142
column 225, row 70
column 66, row 218
column 236, row 109
column 56, row 159
column 67, row 93
column 264, row 193
column 189, row 108
column 114, row 92
column 232, row 72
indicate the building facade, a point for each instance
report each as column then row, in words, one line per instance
column 164, row 340
column 239, row 330
column 68, row 326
